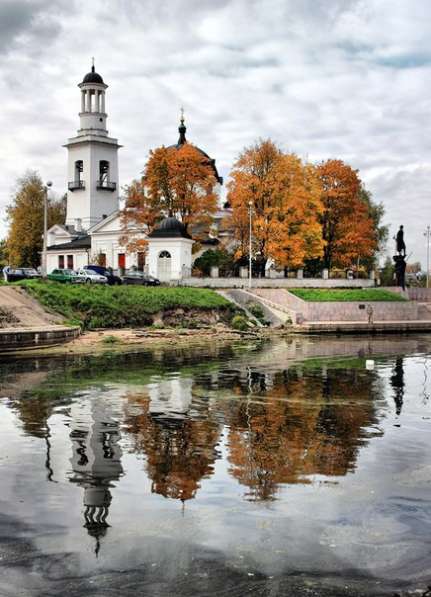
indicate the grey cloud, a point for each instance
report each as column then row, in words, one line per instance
column 343, row 79
column 28, row 21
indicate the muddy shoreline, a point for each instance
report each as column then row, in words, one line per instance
column 134, row 339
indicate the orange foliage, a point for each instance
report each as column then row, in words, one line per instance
column 179, row 453
column 348, row 229
column 177, row 181
column 285, row 198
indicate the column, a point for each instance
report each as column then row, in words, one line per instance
column 82, row 101
column 88, row 100
column 103, row 101
column 97, row 101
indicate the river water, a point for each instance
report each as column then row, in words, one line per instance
column 274, row 468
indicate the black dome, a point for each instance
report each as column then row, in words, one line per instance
column 92, row 77
column 170, row 228
column 182, row 141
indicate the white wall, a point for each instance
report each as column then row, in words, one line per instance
column 80, row 258
column 180, row 250
column 91, row 204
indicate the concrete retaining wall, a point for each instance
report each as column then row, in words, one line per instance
column 275, row 283
column 12, row 339
column 340, row 311
column 422, row 295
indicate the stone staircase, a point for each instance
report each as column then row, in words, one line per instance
column 275, row 313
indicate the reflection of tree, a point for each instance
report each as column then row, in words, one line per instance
column 180, row 451
column 302, row 427
column 397, row 382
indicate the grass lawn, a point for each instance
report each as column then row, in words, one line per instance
column 346, row 294
column 118, row 306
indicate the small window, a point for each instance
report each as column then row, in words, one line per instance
column 103, row 171
column 70, row 262
column 61, row 261
column 165, row 255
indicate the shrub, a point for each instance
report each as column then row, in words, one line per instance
column 239, row 322
column 111, row 340
column 256, row 310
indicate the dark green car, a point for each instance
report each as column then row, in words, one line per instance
column 63, row 275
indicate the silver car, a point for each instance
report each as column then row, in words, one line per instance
column 90, row 277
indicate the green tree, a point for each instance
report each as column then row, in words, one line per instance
column 376, row 212
column 25, row 214
column 210, row 258
column 387, row 273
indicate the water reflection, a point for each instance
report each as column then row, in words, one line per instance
column 180, row 444
column 96, row 461
column 228, row 432
column 397, row 382
column 305, row 426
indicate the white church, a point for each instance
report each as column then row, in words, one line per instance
column 93, row 227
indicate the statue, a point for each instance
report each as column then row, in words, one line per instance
column 401, row 245
column 400, row 270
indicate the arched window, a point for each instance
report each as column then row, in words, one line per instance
column 79, row 167
column 165, row 255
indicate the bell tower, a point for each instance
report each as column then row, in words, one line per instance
column 93, row 185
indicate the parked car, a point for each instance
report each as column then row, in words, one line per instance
column 140, row 278
column 22, row 273
column 91, row 277
column 63, row 275
column 103, row 271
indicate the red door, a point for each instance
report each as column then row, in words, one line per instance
column 121, row 261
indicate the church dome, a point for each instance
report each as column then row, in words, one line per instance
column 93, row 77
column 182, row 141
column 170, row 228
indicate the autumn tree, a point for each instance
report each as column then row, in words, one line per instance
column 348, row 227
column 25, row 215
column 284, row 194
column 3, row 253
column 177, row 181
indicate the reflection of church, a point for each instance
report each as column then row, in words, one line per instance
column 93, row 226
column 96, row 461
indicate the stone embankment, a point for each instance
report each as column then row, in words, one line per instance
column 25, row 324
column 340, row 317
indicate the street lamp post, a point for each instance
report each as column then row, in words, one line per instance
column 427, row 233
column 250, row 211
column 45, row 227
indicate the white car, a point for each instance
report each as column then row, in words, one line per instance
column 90, row 277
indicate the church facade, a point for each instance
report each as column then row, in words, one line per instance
column 93, row 228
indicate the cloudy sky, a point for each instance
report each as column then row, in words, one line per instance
column 345, row 79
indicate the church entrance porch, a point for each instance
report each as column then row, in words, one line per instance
column 164, row 266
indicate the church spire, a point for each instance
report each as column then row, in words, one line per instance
column 182, row 129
